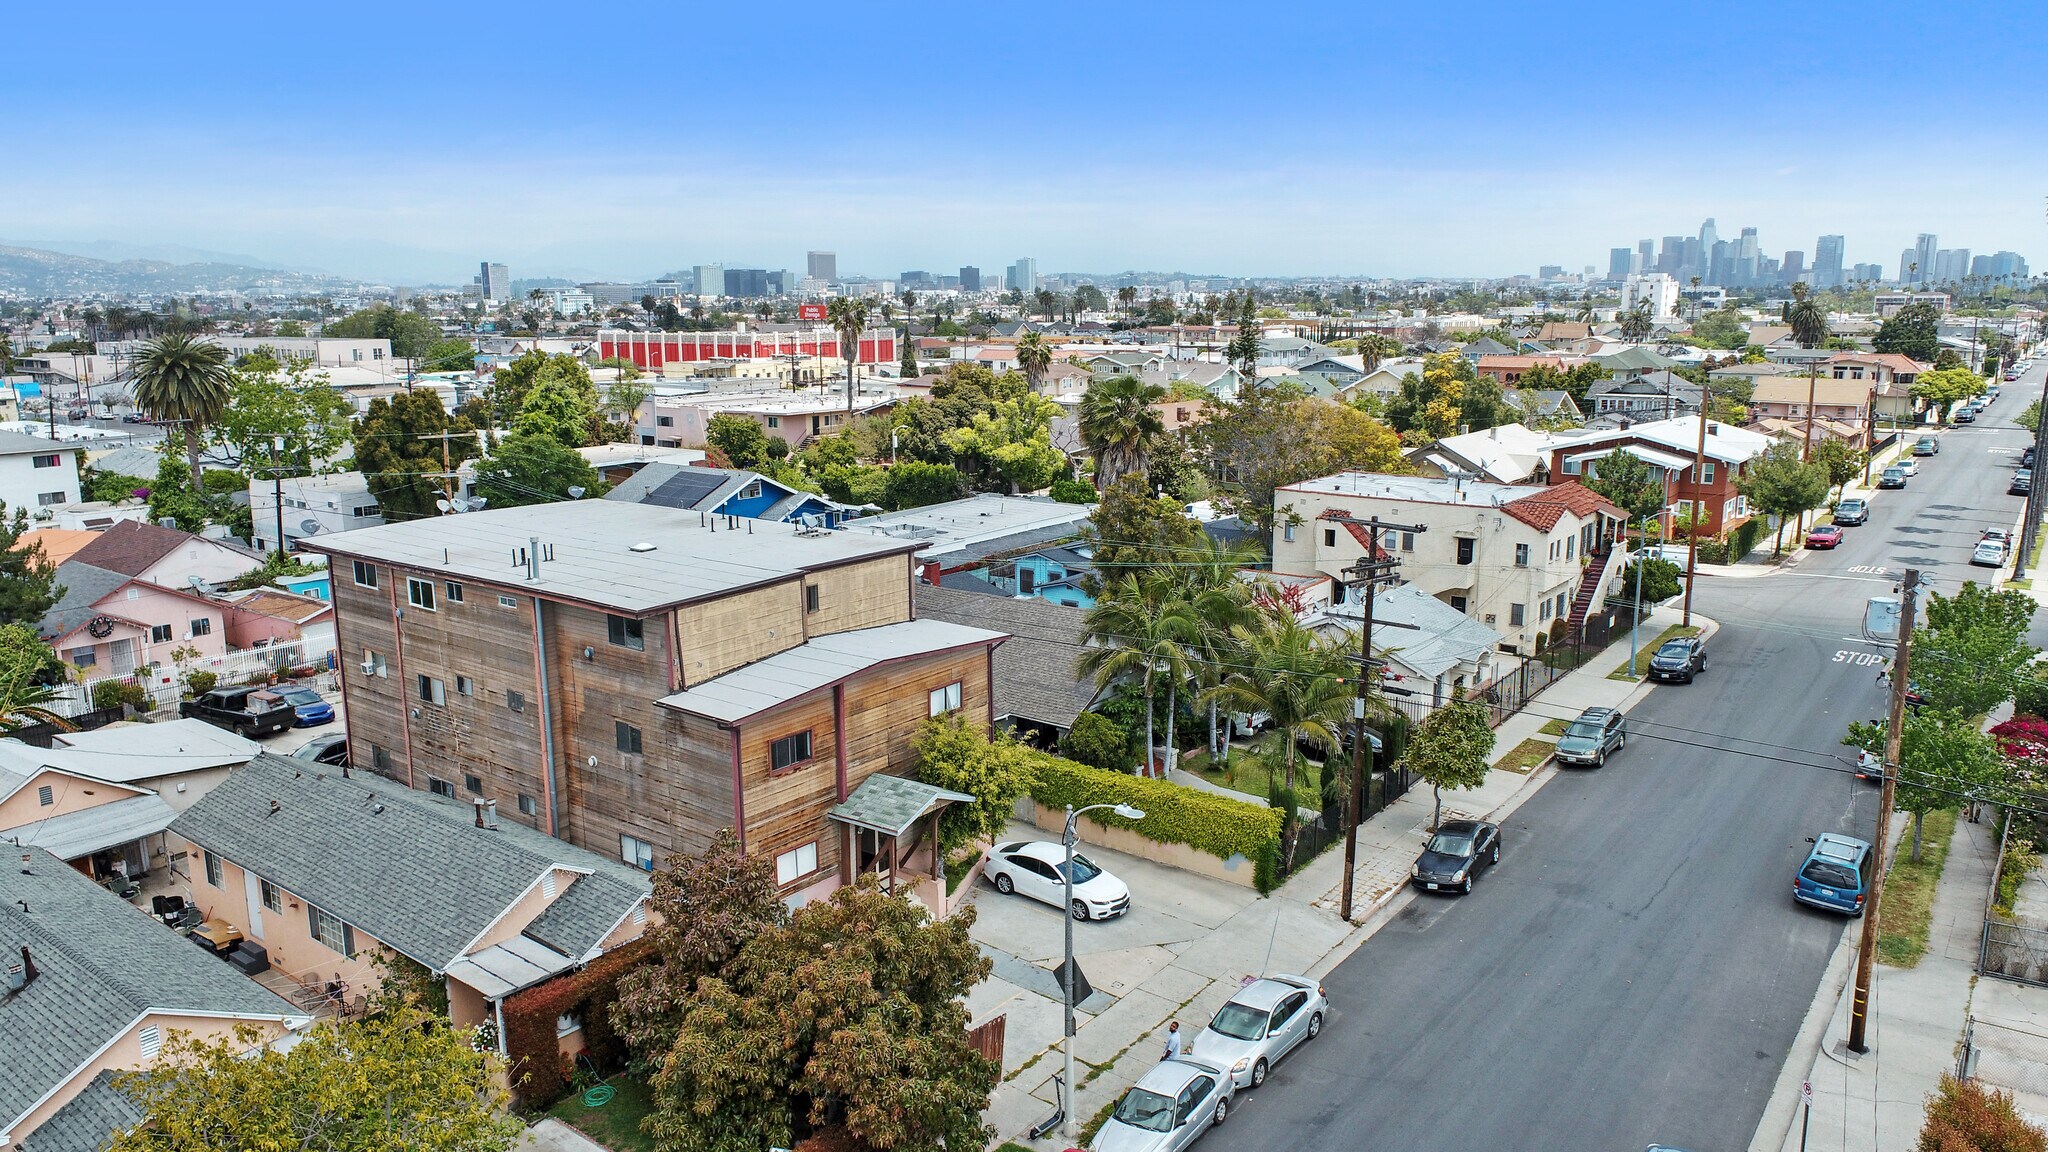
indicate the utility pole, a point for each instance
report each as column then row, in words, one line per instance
column 2031, row 527
column 1866, row 948
column 447, row 468
column 277, row 491
column 1692, row 536
column 1373, row 569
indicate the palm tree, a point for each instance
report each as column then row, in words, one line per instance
column 1125, row 297
column 1118, row 423
column 1048, row 300
column 848, row 316
column 181, row 379
column 1138, row 634
column 1809, row 323
column 1222, row 602
column 1034, row 356
column 1636, row 322
column 1374, row 348
column 1296, row 678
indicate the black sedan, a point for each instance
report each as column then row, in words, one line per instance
column 1679, row 660
column 1456, row 854
column 2022, row 483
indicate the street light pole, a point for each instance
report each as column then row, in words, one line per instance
column 1866, row 948
column 1067, row 972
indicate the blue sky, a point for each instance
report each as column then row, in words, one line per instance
column 408, row 141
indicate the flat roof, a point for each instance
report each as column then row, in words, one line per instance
column 594, row 557
column 1415, row 489
column 814, row 664
column 978, row 519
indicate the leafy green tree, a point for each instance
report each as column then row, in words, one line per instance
column 1298, row 678
column 706, row 908
column 914, row 484
column 2030, row 419
column 1972, row 653
column 1131, row 641
column 907, row 367
column 181, row 379
column 742, row 439
column 28, row 580
column 1842, row 460
column 447, row 355
column 854, row 1012
column 399, row 448
column 1135, row 532
column 1099, row 742
column 1118, row 422
column 958, row 755
column 1034, row 357
column 1450, row 747
column 505, row 397
column 1721, row 329
column 1661, row 580
column 1630, row 483
column 268, row 400
column 1945, row 758
column 1911, row 331
column 1243, row 350
column 111, row 487
column 563, row 407
column 1782, row 485
column 1010, row 441
column 399, row 1079
column 410, row 333
column 171, row 497
column 1946, row 386
column 534, row 468
column 1273, row 435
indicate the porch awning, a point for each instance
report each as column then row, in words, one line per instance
column 81, row 833
column 891, row 804
column 502, row 969
column 1649, row 455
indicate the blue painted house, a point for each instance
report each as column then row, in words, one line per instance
column 1052, row 574
column 727, row 492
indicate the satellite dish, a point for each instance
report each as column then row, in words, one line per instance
column 575, row 491
column 199, row 584
column 476, row 503
column 309, row 527
column 443, row 505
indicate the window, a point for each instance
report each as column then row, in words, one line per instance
column 796, row 862
column 83, row 657
column 946, row 699
column 775, row 421
column 1562, row 603
column 789, row 751
column 1329, row 541
column 527, row 807
column 441, row 787
column 1516, row 612
column 1287, row 533
column 374, row 663
column 508, row 602
column 1521, row 555
column 474, row 783
column 1571, row 467
column 1407, row 541
column 1466, row 545
column 627, row 736
column 53, row 460
column 432, row 691
column 516, row 701
column 811, row 598
column 271, row 899
column 46, row 795
column 363, row 511
column 1706, row 471
column 159, row 633
column 202, row 627
column 670, row 422
column 150, row 1041
column 212, row 868
column 625, row 632
column 1684, row 508
column 420, row 593
column 329, row 930
column 1543, row 609
column 379, row 758
column 1568, row 542
column 50, row 499
column 464, row 686
column 637, row 852
column 453, row 591
column 1458, row 602
column 366, row 574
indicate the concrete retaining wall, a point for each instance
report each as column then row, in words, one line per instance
column 1053, row 821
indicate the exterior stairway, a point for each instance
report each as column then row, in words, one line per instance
column 1589, row 586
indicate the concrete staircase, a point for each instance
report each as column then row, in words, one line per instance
column 1589, row 585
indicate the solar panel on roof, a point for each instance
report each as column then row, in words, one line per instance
column 685, row 488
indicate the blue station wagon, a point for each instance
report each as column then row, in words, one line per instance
column 1836, row 874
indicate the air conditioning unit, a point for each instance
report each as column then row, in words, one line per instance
column 369, row 667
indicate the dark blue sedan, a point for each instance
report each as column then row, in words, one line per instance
column 307, row 705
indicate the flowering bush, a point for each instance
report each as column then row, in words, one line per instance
column 2024, row 741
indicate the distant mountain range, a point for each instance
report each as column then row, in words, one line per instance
column 40, row 272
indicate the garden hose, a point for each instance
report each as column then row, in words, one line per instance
column 598, row 1096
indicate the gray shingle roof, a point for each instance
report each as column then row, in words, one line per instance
column 87, row 1123
column 409, row 868
column 100, row 964
column 1035, row 675
column 891, row 804
column 84, row 585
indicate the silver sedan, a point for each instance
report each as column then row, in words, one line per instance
column 1262, row 1023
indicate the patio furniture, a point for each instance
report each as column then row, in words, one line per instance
column 187, row 918
column 217, row 935
column 250, row 957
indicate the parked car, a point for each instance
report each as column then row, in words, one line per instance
column 2027, row 457
column 249, row 712
column 1999, row 534
column 134, row 418
column 1263, row 1022
column 1910, row 466
column 1175, row 1101
column 1033, row 868
column 1824, row 536
column 1926, row 446
column 309, row 707
column 1679, row 660
column 2022, row 483
column 1835, row 874
column 1892, row 477
column 1965, row 415
column 331, row 748
column 1455, row 855
column 1671, row 553
column 1988, row 554
column 1851, row 512
column 1597, row 733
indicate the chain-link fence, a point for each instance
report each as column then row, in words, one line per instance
column 2014, row 952
column 2005, row 1057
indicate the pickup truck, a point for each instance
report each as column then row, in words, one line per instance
column 250, row 712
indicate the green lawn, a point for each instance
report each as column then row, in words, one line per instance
column 1908, row 905
column 616, row 1125
column 1550, row 728
column 1249, row 774
column 1641, row 668
column 1525, row 756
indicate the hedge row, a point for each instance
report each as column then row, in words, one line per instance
column 1174, row 814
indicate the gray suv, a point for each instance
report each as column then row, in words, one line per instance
column 1596, row 734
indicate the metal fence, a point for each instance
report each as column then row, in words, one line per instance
column 2002, row 1056
column 45, row 735
column 2013, row 952
column 1513, row 689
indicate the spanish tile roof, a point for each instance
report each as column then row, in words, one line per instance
column 1544, row 509
column 1035, row 672
column 101, row 964
column 407, row 867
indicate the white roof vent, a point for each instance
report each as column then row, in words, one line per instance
column 642, row 546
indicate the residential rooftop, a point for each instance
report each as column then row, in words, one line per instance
column 979, row 526
column 1414, row 489
column 631, row 558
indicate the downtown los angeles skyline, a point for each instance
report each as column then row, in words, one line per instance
column 1260, row 152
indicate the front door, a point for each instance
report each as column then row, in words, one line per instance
column 121, row 657
column 255, row 891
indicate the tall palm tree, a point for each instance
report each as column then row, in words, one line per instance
column 1809, row 323
column 181, row 379
column 848, row 316
column 1636, row 323
column 1034, row 356
column 1222, row 602
column 1374, row 349
column 1139, row 635
column 1125, row 297
column 1118, row 423
column 1296, row 678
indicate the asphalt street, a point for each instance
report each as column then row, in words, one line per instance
column 1636, row 970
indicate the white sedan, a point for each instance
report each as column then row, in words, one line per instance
column 1988, row 554
column 1034, row 868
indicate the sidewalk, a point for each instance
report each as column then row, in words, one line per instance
column 1875, row 1102
column 1221, row 935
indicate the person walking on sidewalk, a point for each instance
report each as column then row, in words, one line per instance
column 1172, row 1041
